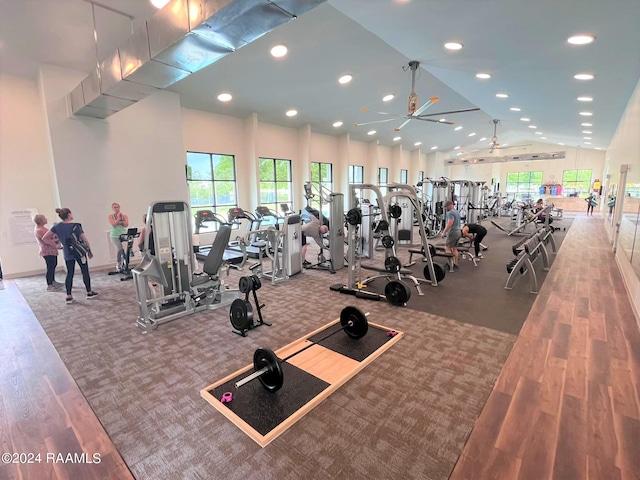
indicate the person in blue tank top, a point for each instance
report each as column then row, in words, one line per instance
column 70, row 232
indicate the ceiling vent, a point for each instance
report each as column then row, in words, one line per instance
column 182, row 38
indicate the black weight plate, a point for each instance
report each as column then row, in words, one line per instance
column 273, row 378
column 354, row 322
column 241, row 314
column 387, row 241
column 382, row 226
column 397, row 293
column 439, row 270
column 354, row 216
column 395, row 211
column 392, row 264
column 257, row 283
column 432, row 250
column 245, row 284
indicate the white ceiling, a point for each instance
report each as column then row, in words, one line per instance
column 522, row 44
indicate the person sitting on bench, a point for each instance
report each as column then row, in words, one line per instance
column 452, row 232
column 475, row 232
column 542, row 218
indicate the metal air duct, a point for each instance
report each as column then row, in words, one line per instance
column 184, row 37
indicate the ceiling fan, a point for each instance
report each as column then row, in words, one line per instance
column 414, row 112
column 495, row 145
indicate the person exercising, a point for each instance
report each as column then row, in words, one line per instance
column 475, row 232
column 452, row 231
column 314, row 230
column 119, row 223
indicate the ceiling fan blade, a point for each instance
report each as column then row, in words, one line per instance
column 434, row 121
column 426, row 105
column 397, row 129
column 376, row 121
column 449, row 113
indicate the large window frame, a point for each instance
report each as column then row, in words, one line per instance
column 211, row 179
column 321, row 173
column 276, row 186
column 404, row 176
column 524, row 186
column 576, row 183
column 356, row 174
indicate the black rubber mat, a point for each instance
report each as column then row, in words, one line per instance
column 264, row 410
column 356, row 349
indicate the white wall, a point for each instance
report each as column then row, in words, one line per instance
column 625, row 149
column 25, row 174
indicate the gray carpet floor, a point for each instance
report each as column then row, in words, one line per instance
column 407, row 415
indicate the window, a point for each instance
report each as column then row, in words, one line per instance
column 404, row 176
column 275, row 183
column 576, row 183
column 420, row 176
column 356, row 174
column 383, row 179
column 321, row 173
column 524, row 185
column 212, row 182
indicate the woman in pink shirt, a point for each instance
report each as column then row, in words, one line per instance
column 48, row 250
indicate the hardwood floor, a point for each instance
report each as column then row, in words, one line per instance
column 566, row 404
column 43, row 414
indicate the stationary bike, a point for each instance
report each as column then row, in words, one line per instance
column 123, row 266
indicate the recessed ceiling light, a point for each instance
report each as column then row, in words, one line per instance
column 225, row 97
column 515, row 109
column 582, row 39
column 525, row 119
column 586, row 114
column 585, row 99
column 502, row 95
column 482, row 139
column 532, row 126
column 587, row 138
column 584, row 76
column 417, row 144
column 395, row 139
column 587, row 143
column 537, row 133
column 279, row 51
column 598, row 148
column 459, row 127
column 457, row 148
column 291, row 113
column 473, row 134
column 344, row 79
column 388, row 98
column 159, row 3
column 586, row 124
column 588, row 132
column 543, row 138
column 483, row 76
column 442, row 120
column 337, row 124
column 459, row 153
column 371, row 132
column 505, row 144
column 560, row 143
column 434, row 147
column 453, row 45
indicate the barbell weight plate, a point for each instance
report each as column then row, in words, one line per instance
column 439, row 270
column 245, row 284
column 397, row 293
column 354, row 216
column 392, row 264
column 382, row 226
column 273, row 378
column 241, row 314
column 354, row 322
column 387, row 241
column 257, row 283
column 395, row 211
column 432, row 250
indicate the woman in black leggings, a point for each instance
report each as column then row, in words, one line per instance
column 478, row 231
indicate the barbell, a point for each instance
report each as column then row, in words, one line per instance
column 268, row 367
